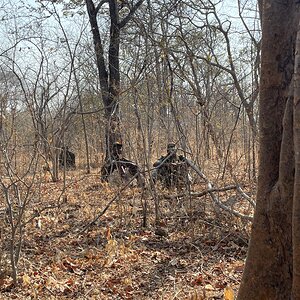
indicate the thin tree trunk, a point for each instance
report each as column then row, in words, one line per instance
column 109, row 74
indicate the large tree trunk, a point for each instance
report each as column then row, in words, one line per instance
column 296, row 199
column 268, row 272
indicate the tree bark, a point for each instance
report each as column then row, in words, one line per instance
column 109, row 77
column 268, row 272
column 296, row 199
column 109, row 83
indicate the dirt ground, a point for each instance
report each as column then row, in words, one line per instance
column 72, row 250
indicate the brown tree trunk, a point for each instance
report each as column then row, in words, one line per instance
column 296, row 199
column 268, row 272
column 109, row 77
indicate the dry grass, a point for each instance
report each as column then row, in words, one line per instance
column 195, row 252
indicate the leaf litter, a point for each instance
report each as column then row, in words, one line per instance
column 198, row 253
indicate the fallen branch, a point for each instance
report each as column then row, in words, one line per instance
column 244, row 195
column 201, row 194
column 225, row 207
column 196, row 169
column 216, row 200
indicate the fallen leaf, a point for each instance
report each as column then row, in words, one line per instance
column 198, row 280
column 108, row 234
column 26, row 279
column 127, row 281
column 1, row 281
column 69, row 282
column 209, row 287
column 228, row 293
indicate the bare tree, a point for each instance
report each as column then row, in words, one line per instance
column 109, row 71
column 18, row 175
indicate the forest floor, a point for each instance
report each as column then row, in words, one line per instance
column 73, row 251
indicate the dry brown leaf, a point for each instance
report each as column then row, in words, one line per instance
column 228, row 293
column 209, row 287
column 198, row 280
